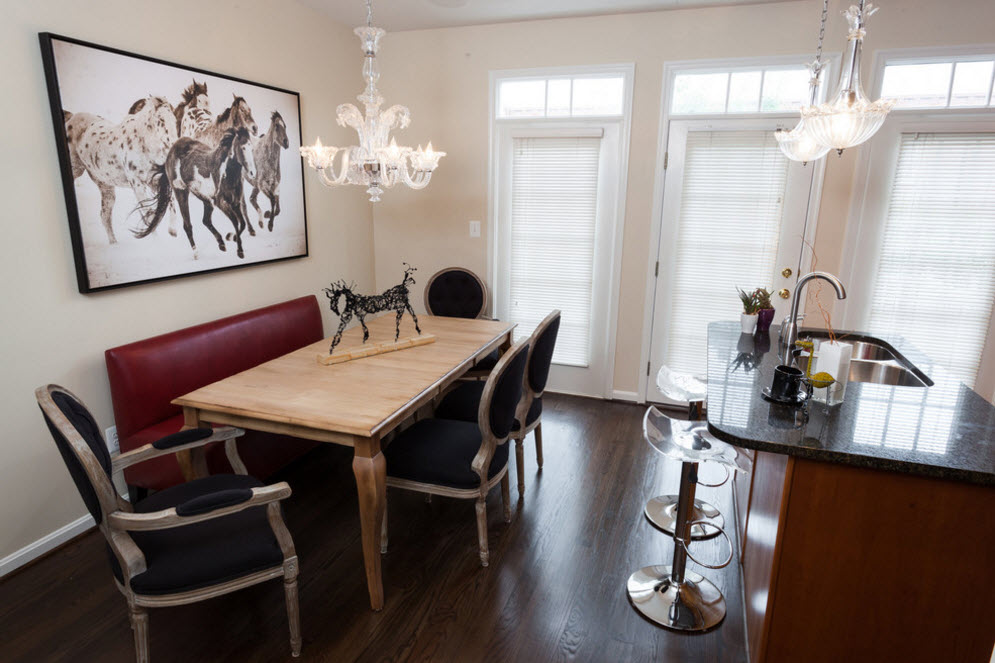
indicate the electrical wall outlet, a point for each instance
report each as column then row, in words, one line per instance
column 110, row 435
column 475, row 229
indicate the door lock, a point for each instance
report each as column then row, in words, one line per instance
column 783, row 293
column 786, row 272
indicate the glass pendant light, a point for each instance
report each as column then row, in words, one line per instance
column 798, row 144
column 850, row 117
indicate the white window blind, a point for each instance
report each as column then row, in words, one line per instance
column 554, row 203
column 727, row 235
column 936, row 276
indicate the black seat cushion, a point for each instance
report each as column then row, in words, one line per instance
column 455, row 293
column 206, row 553
column 440, row 452
column 488, row 362
column 462, row 403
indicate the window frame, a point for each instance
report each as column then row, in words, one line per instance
column 500, row 130
column 736, row 65
column 932, row 55
column 874, row 176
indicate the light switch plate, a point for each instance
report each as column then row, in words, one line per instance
column 110, row 435
column 475, row 229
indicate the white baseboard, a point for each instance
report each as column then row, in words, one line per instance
column 46, row 543
column 630, row 396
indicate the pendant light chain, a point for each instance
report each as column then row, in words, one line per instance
column 817, row 66
column 369, row 13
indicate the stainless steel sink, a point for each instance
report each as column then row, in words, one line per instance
column 874, row 362
column 872, row 351
column 883, row 372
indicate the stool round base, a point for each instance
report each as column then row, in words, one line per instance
column 662, row 512
column 693, row 605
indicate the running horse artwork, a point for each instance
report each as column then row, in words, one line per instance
column 267, row 154
column 121, row 155
column 395, row 299
column 120, row 191
column 214, row 176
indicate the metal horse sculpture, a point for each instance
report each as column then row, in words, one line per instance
column 395, row 299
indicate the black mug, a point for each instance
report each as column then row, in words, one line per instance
column 787, row 383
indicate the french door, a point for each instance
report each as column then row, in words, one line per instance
column 734, row 212
column 558, row 191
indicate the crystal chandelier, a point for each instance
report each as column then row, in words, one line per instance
column 375, row 163
column 850, row 117
column 798, row 144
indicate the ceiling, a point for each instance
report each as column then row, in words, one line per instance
column 394, row 15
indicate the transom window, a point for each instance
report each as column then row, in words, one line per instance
column 947, row 83
column 561, row 96
column 773, row 89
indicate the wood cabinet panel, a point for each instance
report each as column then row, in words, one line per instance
column 880, row 566
column 771, row 478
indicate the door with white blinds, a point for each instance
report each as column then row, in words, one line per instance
column 928, row 257
column 734, row 213
column 554, row 246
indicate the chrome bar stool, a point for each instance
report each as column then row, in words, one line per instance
column 673, row 596
column 662, row 510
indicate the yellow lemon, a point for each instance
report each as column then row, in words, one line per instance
column 822, row 379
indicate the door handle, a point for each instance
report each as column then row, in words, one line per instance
column 783, row 293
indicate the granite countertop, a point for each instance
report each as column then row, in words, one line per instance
column 944, row 430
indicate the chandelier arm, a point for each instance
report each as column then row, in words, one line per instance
column 418, row 181
column 335, row 180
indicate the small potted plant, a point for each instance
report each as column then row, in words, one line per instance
column 748, row 318
column 765, row 310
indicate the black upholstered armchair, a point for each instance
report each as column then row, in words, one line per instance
column 461, row 458
column 463, row 402
column 187, row 543
column 455, row 292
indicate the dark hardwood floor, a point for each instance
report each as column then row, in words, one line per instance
column 554, row 590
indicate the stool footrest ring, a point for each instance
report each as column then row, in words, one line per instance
column 703, row 523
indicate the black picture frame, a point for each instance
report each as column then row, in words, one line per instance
column 59, row 119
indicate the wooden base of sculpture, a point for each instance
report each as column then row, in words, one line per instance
column 371, row 349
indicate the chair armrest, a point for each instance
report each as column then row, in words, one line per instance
column 173, row 443
column 213, row 505
column 183, row 437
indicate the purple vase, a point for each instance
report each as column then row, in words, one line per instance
column 765, row 316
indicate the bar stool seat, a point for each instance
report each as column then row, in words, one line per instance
column 671, row 595
column 661, row 511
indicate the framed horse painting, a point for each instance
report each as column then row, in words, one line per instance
column 170, row 171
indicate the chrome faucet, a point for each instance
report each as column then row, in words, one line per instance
column 789, row 328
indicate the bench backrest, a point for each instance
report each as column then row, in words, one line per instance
column 146, row 375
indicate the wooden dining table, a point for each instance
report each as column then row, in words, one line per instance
column 355, row 403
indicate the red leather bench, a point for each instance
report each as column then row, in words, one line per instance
column 147, row 375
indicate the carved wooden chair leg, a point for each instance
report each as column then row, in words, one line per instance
column 140, row 625
column 506, row 497
column 482, row 529
column 538, row 436
column 293, row 610
column 520, row 462
column 383, row 533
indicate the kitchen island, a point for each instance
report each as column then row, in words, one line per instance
column 867, row 529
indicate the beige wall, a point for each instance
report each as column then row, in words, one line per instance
column 443, row 76
column 51, row 333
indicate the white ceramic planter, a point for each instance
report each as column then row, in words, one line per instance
column 748, row 321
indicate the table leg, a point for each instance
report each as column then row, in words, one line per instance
column 506, row 343
column 370, row 468
column 193, row 462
